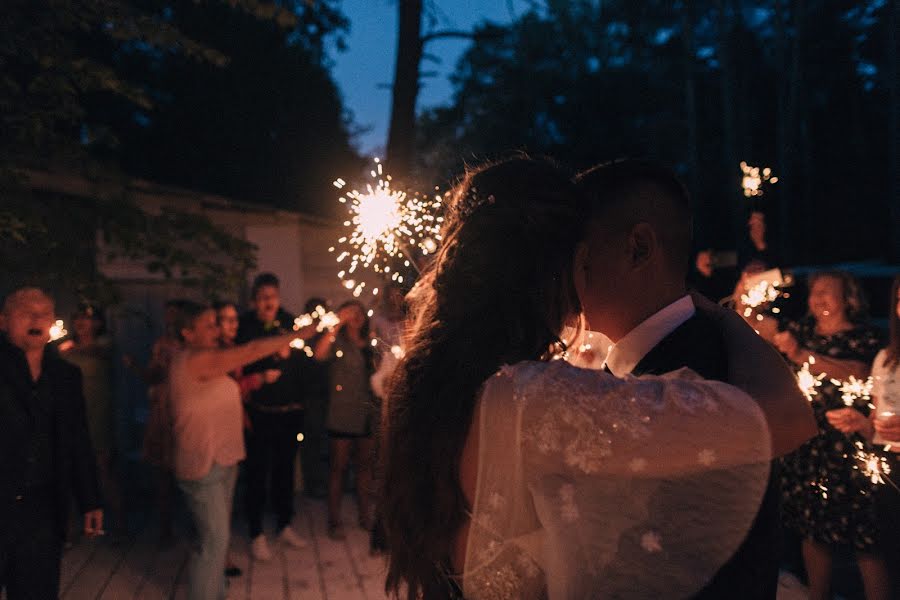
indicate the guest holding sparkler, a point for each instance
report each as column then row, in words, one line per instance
column 227, row 320
column 825, row 500
column 276, row 420
column 206, row 418
column 92, row 352
column 352, row 411
column 883, row 428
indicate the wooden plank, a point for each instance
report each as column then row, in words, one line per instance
column 92, row 580
column 162, row 572
column 267, row 579
column 75, row 559
column 342, row 582
column 302, row 565
column 239, row 587
column 371, row 570
column 132, row 569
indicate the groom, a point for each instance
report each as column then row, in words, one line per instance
column 639, row 237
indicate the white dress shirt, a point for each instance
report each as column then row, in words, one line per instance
column 625, row 355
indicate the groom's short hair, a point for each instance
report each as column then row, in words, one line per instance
column 623, row 193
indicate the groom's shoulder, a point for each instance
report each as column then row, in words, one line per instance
column 697, row 343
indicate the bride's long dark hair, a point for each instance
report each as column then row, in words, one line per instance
column 500, row 291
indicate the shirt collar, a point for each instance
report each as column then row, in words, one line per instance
column 625, row 355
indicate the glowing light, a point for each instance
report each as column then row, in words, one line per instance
column 807, row 381
column 398, row 352
column 58, row 330
column 326, row 320
column 299, row 437
column 874, row 466
column 855, row 389
column 298, row 343
column 386, row 226
column 754, row 178
column 761, row 292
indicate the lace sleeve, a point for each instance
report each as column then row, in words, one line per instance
column 591, row 486
column 583, row 422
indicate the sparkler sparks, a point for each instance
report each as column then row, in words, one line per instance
column 874, row 466
column 753, row 179
column 855, row 389
column 327, row 320
column 762, row 292
column 387, row 227
column 58, row 331
column 808, row 382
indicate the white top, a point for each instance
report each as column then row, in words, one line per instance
column 885, row 389
column 590, row 486
column 625, row 355
column 207, row 421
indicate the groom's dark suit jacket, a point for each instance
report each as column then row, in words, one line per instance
column 753, row 571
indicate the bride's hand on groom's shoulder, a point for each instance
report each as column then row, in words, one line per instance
column 756, row 367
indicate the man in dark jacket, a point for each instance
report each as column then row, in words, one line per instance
column 45, row 450
column 276, row 415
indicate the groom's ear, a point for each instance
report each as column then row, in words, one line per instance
column 642, row 244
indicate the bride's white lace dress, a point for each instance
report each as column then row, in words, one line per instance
column 594, row 487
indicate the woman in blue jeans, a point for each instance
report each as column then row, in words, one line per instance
column 209, row 439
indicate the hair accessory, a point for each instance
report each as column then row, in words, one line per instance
column 472, row 201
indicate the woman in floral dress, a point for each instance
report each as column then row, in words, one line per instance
column 825, row 499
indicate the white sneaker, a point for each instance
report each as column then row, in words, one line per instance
column 290, row 537
column 259, row 548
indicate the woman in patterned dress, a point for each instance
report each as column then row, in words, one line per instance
column 825, row 499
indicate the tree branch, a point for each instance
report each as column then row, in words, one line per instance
column 468, row 35
column 447, row 34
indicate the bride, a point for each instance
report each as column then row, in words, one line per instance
column 514, row 475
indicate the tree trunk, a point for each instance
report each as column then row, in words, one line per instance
column 785, row 134
column 690, row 110
column 893, row 78
column 402, row 132
column 729, row 142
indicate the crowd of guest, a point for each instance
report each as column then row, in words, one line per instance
column 227, row 388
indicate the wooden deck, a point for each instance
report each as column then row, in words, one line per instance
column 141, row 568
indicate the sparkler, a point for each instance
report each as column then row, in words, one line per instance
column 855, row 389
column 807, row 381
column 58, row 330
column 753, row 179
column 874, row 466
column 385, row 226
column 327, row 320
column 762, row 292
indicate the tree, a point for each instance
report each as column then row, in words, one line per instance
column 800, row 86
column 64, row 62
column 407, row 73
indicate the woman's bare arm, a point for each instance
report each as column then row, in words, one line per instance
column 205, row 364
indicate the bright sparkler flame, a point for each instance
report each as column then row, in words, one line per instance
column 807, row 382
column 58, row 330
column 873, row 466
column 327, row 321
column 753, row 179
column 854, row 389
column 759, row 293
column 386, row 225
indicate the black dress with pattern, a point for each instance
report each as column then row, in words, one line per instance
column 824, row 497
